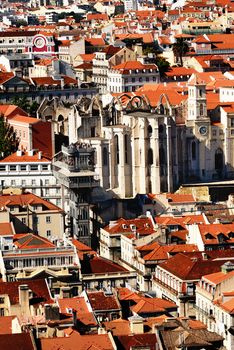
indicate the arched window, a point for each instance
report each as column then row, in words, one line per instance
column 117, row 148
column 149, row 130
column 104, row 156
column 161, row 129
column 201, row 109
column 126, row 141
column 219, row 159
column 150, row 159
column 194, row 155
column 60, row 118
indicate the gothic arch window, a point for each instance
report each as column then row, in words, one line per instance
column 149, row 131
column 162, row 109
column 201, row 109
column 60, row 118
column 219, row 159
column 117, row 148
column 194, row 151
column 161, row 129
column 126, row 142
column 104, row 156
column 150, row 157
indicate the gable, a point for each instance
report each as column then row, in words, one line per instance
column 15, row 81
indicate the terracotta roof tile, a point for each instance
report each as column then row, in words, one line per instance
column 99, row 301
column 38, row 287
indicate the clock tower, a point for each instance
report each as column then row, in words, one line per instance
column 196, row 98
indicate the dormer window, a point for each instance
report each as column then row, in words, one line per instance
column 124, row 226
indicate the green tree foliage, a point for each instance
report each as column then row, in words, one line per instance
column 26, row 105
column 180, row 48
column 163, row 65
column 8, row 139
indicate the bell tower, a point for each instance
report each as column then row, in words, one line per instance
column 196, row 98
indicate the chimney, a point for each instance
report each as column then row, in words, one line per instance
column 24, row 299
column 51, row 312
column 30, row 153
column 136, row 324
column 19, row 153
column 74, row 317
column 39, row 154
column 227, row 267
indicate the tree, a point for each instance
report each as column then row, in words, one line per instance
column 8, row 140
column 21, row 102
column 180, row 48
column 163, row 65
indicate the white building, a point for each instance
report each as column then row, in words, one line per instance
column 131, row 75
column 215, row 303
column 33, row 172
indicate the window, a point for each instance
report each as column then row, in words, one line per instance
column 48, row 233
column 44, row 167
column 104, row 156
column 12, row 182
column 48, row 219
column 2, row 168
column 150, row 157
column 193, row 150
column 232, row 122
column 23, row 167
column 23, row 182
column 33, row 167
column 117, row 148
column 46, row 182
column 126, row 142
column 23, row 221
column 12, row 167
column 33, row 182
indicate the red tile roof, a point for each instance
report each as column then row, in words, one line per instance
column 9, row 111
column 153, row 305
column 142, row 225
column 129, row 342
column 6, row 229
column 38, row 287
column 210, row 233
column 191, row 268
column 96, row 265
column 25, row 158
column 100, row 301
column 31, row 241
column 22, row 200
column 75, row 340
column 77, row 304
column 126, row 67
column 6, row 324
column 21, row 341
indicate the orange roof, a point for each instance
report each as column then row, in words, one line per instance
column 218, row 277
column 143, row 226
column 77, row 304
column 152, row 305
column 6, row 229
column 210, row 233
column 161, row 253
column 94, row 341
column 25, row 158
column 118, row 327
column 25, row 119
column 22, row 200
column 181, row 221
column 133, row 65
column 31, row 241
column 9, row 111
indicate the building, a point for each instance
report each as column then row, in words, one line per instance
column 214, row 302
column 73, row 167
column 33, row 172
column 30, row 213
column 131, row 75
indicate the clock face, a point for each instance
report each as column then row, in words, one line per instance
column 203, row 130
column 39, row 42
